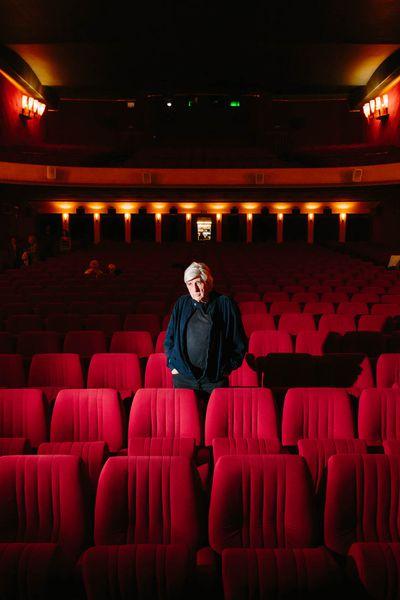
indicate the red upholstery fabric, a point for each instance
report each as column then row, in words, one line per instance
column 378, row 568
column 279, row 573
column 371, row 323
column 244, row 376
column 105, row 323
column 275, row 296
column 164, row 413
column 42, row 501
column 64, row 322
column 161, row 446
column 35, row 570
column 136, row 342
column 119, row 307
column 362, row 500
column 391, row 446
column 246, row 296
column 316, row 413
column 246, row 413
column 160, row 342
column 93, row 455
column 388, row 370
column 7, row 343
column 319, row 308
column 317, row 452
column 311, row 342
column 352, row 308
column 336, row 323
column 84, row 307
column 12, row 374
column 265, row 342
column 295, row 323
column 118, row 371
column 305, row 297
column 23, row 415
column 14, row 445
column 88, row 415
column 257, row 322
column 334, row 297
column 157, row 374
column 143, row 322
column 53, row 372
column 379, row 415
column 365, row 297
column 261, row 502
column 243, row 446
column 147, row 500
column 389, row 310
column 50, row 308
column 252, row 307
column 85, row 343
column 38, row 342
column 140, row 571
column 280, row 308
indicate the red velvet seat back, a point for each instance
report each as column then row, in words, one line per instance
column 379, row 415
column 118, row 371
column 56, row 370
column 165, row 413
column 88, row 415
column 42, row 500
column 362, row 500
column 144, row 500
column 241, row 413
column 261, row 502
column 265, row 342
column 316, row 413
column 388, row 370
column 23, row 415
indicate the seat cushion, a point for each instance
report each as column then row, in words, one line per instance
column 272, row 573
column 14, row 446
column 137, row 571
column 30, row 571
column 146, row 446
column 377, row 565
column 224, row 446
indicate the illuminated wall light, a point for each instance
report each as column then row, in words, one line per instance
column 367, row 110
column 96, row 217
column 342, row 217
column 311, row 216
column 188, row 216
column 249, row 217
column 377, row 108
column 219, row 218
column 158, row 217
column 280, row 216
column 372, row 106
column 31, row 107
column 127, row 216
column 65, row 217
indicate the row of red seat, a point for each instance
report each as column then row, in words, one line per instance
column 149, row 532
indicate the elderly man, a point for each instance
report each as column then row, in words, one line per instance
column 205, row 339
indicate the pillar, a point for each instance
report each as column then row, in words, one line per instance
column 158, row 228
column 128, row 234
column 219, row 227
column 279, row 228
column 96, row 228
column 249, row 228
column 188, row 227
column 310, row 228
column 342, row 227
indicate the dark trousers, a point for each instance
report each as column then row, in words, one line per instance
column 202, row 385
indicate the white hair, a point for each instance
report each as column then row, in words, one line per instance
column 198, row 269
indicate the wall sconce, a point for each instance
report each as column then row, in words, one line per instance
column 280, row 216
column 188, row 217
column 342, row 217
column 249, row 217
column 158, row 217
column 377, row 108
column 65, row 217
column 96, row 217
column 127, row 217
column 31, row 108
column 219, row 217
column 311, row 216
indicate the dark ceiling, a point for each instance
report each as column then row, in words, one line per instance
column 92, row 48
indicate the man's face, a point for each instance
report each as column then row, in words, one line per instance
column 198, row 289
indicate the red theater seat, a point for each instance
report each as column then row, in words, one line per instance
column 246, row 297
column 105, row 323
column 85, row 343
column 388, row 371
column 23, row 420
column 146, row 528
column 265, row 342
column 117, row 371
column 352, row 308
column 262, row 522
column 316, row 413
column 295, row 323
column 372, row 322
column 257, row 322
column 241, row 421
column 54, row 372
column 38, row 342
column 160, row 342
column 136, row 342
column 361, row 517
column 379, row 416
column 319, row 308
column 157, row 374
column 389, row 310
column 336, row 324
column 7, row 343
column 18, row 323
column 244, row 376
column 84, row 307
column 334, row 297
column 143, row 322
column 64, row 322
column 12, row 374
column 280, row 308
column 252, row 308
column 311, row 342
column 43, row 525
column 50, row 308
column 270, row 297
column 163, row 422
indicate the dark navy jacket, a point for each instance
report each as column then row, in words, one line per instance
column 227, row 339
